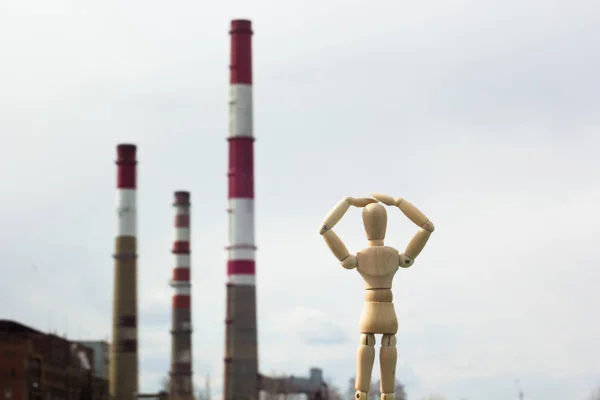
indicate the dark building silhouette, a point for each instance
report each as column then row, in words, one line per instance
column 313, row 386
column 40, row 366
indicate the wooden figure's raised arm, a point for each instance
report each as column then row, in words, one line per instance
column 335, row 244
column 419, row 240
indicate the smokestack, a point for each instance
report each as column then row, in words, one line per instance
column 241, row 350
column 124, row 351
column 181, row 387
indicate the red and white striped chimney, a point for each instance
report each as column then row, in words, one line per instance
column 181, row 387
column 241, row 349
column 123, row 358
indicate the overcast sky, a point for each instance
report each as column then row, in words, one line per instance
column 482, row 113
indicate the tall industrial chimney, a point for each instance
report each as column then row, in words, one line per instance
column 181, row 387
column 124, row 349
column 241, row 349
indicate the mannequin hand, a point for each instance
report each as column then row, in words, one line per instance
column 387, row 200
column 361, row 201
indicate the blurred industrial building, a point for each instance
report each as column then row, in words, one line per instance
column 43, row 366
column 312, row 387
column 101, row 353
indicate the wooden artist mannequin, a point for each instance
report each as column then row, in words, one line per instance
column 377, row 264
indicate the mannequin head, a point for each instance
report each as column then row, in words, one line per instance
column 375, row 221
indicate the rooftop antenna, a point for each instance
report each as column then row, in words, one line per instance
column 520, row 391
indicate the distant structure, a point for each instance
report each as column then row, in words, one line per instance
column 375, row 391
column 521, row 394
column 207, row 392
column 153, row 396
column 38, row 366
column 314, row 387
column 123, row 368
column 180, row 383
column 241, row 349
column 101, row 356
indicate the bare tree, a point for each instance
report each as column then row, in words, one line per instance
column 350, row 391
column 165, row 383
column 375, row 392
column 333, row 392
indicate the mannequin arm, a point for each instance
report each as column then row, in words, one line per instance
column 339, row 250
column 335, row 244
column 414, row 248
column 419, row 240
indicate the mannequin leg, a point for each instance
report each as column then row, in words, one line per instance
column 388, row 356
column 365, row 357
